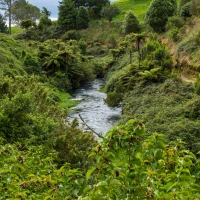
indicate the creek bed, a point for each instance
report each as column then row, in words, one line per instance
column 92, row 108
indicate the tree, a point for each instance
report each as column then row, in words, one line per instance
column 79, row 3
column 22, row 10
column 130, row 23
column 158, row 13
column 3, row 26
column 67, row 14
column 44, row 11
column 109, row 11
column 186, row 10
column 82, row 19
column 6, row 5
column 44, row 22
column 97, row 5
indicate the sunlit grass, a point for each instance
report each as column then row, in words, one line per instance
column 65, row 101
column 139, row 8
column 16, row 30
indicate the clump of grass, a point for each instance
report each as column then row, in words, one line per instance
column 64, row 100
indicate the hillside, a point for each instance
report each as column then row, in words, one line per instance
column 138, row 7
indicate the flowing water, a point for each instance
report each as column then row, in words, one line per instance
column 92, row 108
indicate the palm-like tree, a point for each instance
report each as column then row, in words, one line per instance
column 54, row 61
column 139, row 39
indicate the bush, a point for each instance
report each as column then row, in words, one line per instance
column 175, row 22
column 71, row 35
column 174, row 34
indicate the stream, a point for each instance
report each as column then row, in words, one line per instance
column 92, row 108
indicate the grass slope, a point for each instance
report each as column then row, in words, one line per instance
column 139, row 8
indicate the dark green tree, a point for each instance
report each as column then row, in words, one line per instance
column 3, row 26
column 97, row 5
column 79, row 3
column 67, row 14
column 158, row 13
column 82, row 19
column 109, row 11
column 44, row 11
column 186, row 10
column 131, row 23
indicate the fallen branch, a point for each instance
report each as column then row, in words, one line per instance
column 91, row 128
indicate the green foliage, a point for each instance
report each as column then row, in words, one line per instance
column 82, row 18
column 197, row 85
column 97, row 6
column 74, row 146
column 26, row 23
column 65, row 63
column 130, row 23
column 71, row 35
column 67, row 15
column 22, row 113
column 197, row 38
column 170, row 108
column 3, row 26
column 158, row 13
column 174, row 34
column 183, row 2
column 131, row 165
column 195, row 7
column 115, row 97
column 44, row 11
column 185, row 10
column 23, row 10
column 26, row 173
column 44, row 22
column 109, row 12
column 175, row 22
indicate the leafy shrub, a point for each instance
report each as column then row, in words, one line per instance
column 174, row 34
column 74, row 146
column 187, row 46
column 166, row 107
column 131, row 165
column 71, row 35
column 175, row 22
column 23, row 102
column 195, row 7
column 197, row 38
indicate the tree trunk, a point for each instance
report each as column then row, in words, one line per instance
column 130, row 56
column 9, row 15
